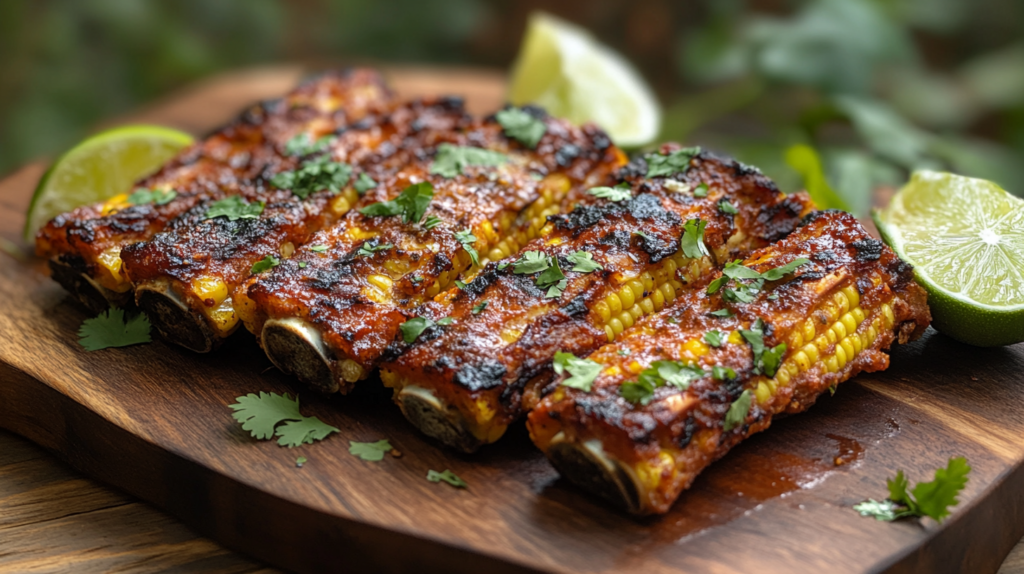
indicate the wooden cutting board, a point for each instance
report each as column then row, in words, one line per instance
column 154, row 421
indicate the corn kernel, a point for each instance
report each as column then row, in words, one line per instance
column 847, row 346
column 616, row 325
column 783, row 377
column 841, row 357
column 637, row 287
column 812, row 353
column 210, row 288
column 839, row 329
column 382, row 282
column 858, row 342
column 763, row 393
column 340, row 205
column 614, row 303
column 832, row 364
column 647, row 281
column 647, row 306
column 626, row 319
column 830, row 336
column 735, row 338
column 610, row 332
column 495, row 254
column 824, row 342
column 657, row 299
column 890, row 319
column 635, row 367
column 801, row 360
column 796, row 340
column 695, row 347
column 670, row 268
column 667, row 292
column 350, row 370
column 858, row 315
column 809, row 329
column 636, row 311
column 627, row 297
column 602, row 310
column 843, row 302
column 434, row 289
column 851, row 293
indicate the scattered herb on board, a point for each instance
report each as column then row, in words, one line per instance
column 446, row 476
column 269, row 414
column 369, row 451
column 933, row 498
column 112, row 328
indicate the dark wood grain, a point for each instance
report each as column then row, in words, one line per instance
column 153, row 420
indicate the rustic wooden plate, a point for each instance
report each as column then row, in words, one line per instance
column 154, row 421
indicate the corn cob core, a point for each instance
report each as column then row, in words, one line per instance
column 834, row 322
column 514, row 337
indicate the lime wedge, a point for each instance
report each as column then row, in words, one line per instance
column 965, row 238
column 101, row 167
column 562, row 68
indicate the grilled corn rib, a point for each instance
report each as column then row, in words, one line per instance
column 819, row 325
column 189, row 279
column 327, row 315
column 463, row 383
column 84, row 245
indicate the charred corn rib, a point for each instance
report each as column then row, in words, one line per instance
column 464, row 382
column 84, row 245
column 832, row 317
column 328, row 314
column 189, row 279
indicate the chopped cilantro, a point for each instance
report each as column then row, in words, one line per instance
column 302, row 144
column 780, row 272
column 458, row 283
column 766, row 360
column 725, row 207
column 715, row 338
column 302, row 264
column 504, row 264
column 531, row 262
column 722, row 313
column 364, row 183
column 623, row 352
column 933, row 498
column 445, row 321
column 111, row 328
column 313, row 175
column 447, row 476
column 479, row 307
column 659, row 374
column 369, row 451
column 366, row 250
column 636, row 392
column 736, row 270
column 659, row 164
column 431, row 222
column 411, row 204
column 300, row 461
column 143, row 196
column 467, row 239
column 263, row 414
column 318, row 248
column 521, row 126
column 737, row 411
column 772, row 358
column 620, row 192
column 583, row 262
column 701, row 191
column 451, row 160
column 722, row 373
column 743, row 293
column 552, row 279
column 268, row 262
column 832, row 390
column 412, row 328
column 692, row 241
column 234, row 208
column 582, row 371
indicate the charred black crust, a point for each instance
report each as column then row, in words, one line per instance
column 483, row 376
column 779, row 220
column 815, row 215
column 577, row 307
column 617, row 238
column 869, row 249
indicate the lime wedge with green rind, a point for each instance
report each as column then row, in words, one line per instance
column 105, row 165
column 563, row 69
column 965, row 238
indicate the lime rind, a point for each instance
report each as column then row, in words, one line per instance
column 101, row 167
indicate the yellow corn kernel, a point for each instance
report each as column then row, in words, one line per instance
column 614, row 303
column 340, row 205
column 858, row 315
column 782, row 377
column 801, row 360
column 667, row 292
column 350, row 370
column 809, row 329
column 602, row 310
column 610, row 332
column 638, row 289
column 626, row 319
column 224, row 317
column 111, row 261
column 670, row 268
column 627, row 297
column 695, row 348
column 842, row 301
column 677, row 285
column 841, row 357
column 636, row 311
column 839, row 329
column 657, row 299
column 890, row 319
column 287, row 248
column 735, row 338
column 647, row 306
column 857, row 339
column 635, row 367
column 832, row 311
column 555, row 241
column 511, row 335
column 847, row 346
column 434, row 289
column 613, row 371
column 647, row 281
column 832, row 364
column 382, row 282
column 763, row 393
column 849, row 322
column 851, row 293
column 812, row 353
column 793, row 368
column 495, row 254
column 824, row 342
column 210, row 288
column 616, row 325
column 830, row 336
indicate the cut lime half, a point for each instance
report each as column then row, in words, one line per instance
column 101, row 167
column 563, row 69
column 965, row 238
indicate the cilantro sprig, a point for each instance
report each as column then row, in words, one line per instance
column 766, row 360
column 235, row 208
column 113, row 328
column 364, row 183
column 302, row 144
column 467, row 239
column 659, row 164
column 583, row 262
column 451, row 160
column 520, row 125
column 746, row 292
column 692, row 241
column 659, row 374
column 411, row 204
column 738, row 410
column 317, row 174
column 620, row 192
column 143, row 196
column 413, row 328
column 582, row 371
column 269, row 414
column 446, row 476
column 550, row 275
column 933, row 498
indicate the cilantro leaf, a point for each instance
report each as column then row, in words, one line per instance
column 364, row 183
column 722, row 373
column 780, row 272
column 431, row 222
column 143, row 196
column 111, row 329
column 531, row 262
column 715, row 338
column 692, row 240
column 521, row 126
column 659, row 164
column 318, row 248
column 675, row 373
column 369, row 451
column 772, row 358
column 725, row 207
column 467, row 239
column 262, row 265
column 313, row 175
column 447, row 476
column 722, row 313
column 743, row 293
column 366, row 250
column 637, row 392
column 451, row 160
column 623, row 352
column 582, row 371
column 234, row 208
column 412, row 328
column 445, row 321
column 933, row 498
column 583, row 262
column 701, row 191
column 300, row 461
column 736, row 270
column 479, row 307
column 460, row 284
column 411, row 203
column 755, row 337
column 620, row 192
column 268, row 414
column 737, row 412
column 552, row 279
column 884, row 510
column 716, row 285
column 302, row 264
column 302, row 144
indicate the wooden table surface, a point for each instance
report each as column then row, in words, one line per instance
column 52, row 519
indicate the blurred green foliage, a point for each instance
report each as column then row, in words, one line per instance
column 871, row 89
